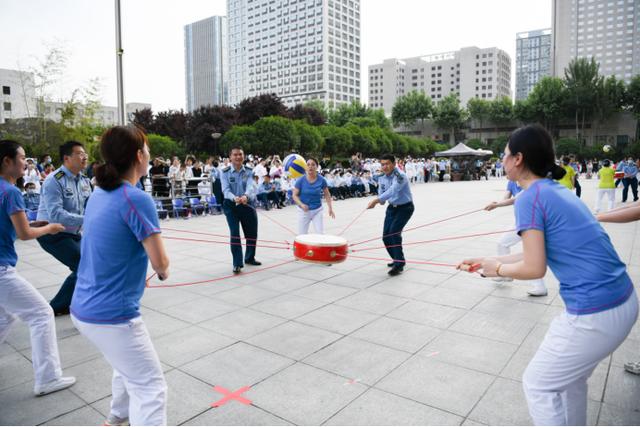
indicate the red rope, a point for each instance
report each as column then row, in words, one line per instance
column 433, row 241
column 440, row 264
column 282, row 242
column 216, row 279
column 225, row 243
column 352, row 222
column 417, row 227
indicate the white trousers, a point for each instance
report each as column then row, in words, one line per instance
column 306, row 218
column 611, row 195
column 139, row 391
column 19, row 299
column 555, row 382
column 504, row 245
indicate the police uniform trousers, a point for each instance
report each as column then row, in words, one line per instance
column 395, row 219
column 65, row 247
column 247, row 217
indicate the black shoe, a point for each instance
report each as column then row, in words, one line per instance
column 395, row 271
column 252, row 262
column 391, row 264
column 61, row 311
column 237, row 270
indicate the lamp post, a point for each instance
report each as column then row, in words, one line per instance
column 119, row 53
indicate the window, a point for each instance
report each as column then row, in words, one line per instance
column 6, row 90
column 7, row 106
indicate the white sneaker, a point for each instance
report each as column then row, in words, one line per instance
column 53, row 386
column 502, row 279
column 112, row 420
column 538, row 291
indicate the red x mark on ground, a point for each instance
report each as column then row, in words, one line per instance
column 231, row 395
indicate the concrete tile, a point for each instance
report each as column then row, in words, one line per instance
column 438, row 316
column 15, row 369
column 294, row 340
column 85, row 416
column 283, row 283
column 397, row 287
column 505, row 328
column 242, row 324
column 200, row 309
column 398, row 334
column 451, row 297
column 622, row 390
column 511, row 308
column 629, row 351
column 304, row 395
column 377, row 408
column 313, row 272
column 159, row 324
column 371, row 302
column 324, row 292
column 476, row 353
column 93, row 379
column 337, row 319
column 424, row 277
column 237, row 366
column 159, row 298
column 187, row 396
column 613, row 416
column 503, row 404
column 288, row 306
column 358, row 360
column 186, row 345
column 447, row 387
column 246, row 295
column 236, row 415
column 355, row 279
column 18, row 405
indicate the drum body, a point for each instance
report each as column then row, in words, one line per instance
column 320, row 248
column 618, row 175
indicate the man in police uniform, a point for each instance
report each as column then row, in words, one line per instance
column 63, row 198
column 393, row 187
column 239, row 190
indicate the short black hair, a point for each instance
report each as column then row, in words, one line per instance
column 66, row 149
column 235, row 147
column 389, row 157
column 536, row 146
column 606, row 163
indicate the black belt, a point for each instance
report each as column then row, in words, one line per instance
column 401, row 206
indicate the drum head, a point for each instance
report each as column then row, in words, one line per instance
column 320, row 240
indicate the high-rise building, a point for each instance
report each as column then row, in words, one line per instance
column 18, row 97
column 533, row 60
column 297, row 49
column 206, row 62
column 607, row 30
column 470, row 72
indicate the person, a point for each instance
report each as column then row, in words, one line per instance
column 538, row 288
column 606, row 186
column 267, row 193
column 18, row 298
column 239, row 190
column 601, row 305
column 630, row 180
column 393, row 187
column 122, row 234
column 568, row 178
column 159, row 181
column 32, row 174
column 307, row 195
column 31, row 197
column 63, row 198
column 577, row 168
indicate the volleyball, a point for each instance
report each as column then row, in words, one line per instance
column 294, row 165
column 606, row 148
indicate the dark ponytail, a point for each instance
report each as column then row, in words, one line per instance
column 538, row 155
column 119, row 148
column 8, row 148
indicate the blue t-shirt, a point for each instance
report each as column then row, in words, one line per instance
column 12, row 201
column 513, row 188
column 311, row 194
column 113, row 265
column 579, row 252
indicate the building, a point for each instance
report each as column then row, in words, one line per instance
column 533, row 60
column 607, row 30
column 297, row 49
column 17, row 99
column 470, row 72
column 206, row 62
column 106, row 115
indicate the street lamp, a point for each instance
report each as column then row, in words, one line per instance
column 216, row 135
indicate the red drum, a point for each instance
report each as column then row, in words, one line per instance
column 320, row 248
column 619, row 175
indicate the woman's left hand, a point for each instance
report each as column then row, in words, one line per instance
column 331, row 214
column 490, row 267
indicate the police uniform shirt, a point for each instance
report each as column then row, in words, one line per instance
column 238, row 183
column 63, row 198
column 394, row 188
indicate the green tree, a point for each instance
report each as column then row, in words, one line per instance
column 276, row 135
column 522, row 111
column 474, row 143
column 566, row 146
column 412, row 107
column 163, row 146
column 337, row 140
column 581, row 78
column 240, row 136
column 609, row 99
column 362, row 141
column 501, row 111
column 309, row 137
column 479, row 111
column 546, row 102
column 449, row 115
column 632, row 101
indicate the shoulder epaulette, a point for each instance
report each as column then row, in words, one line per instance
column 226, row 169
column 250, row 169
column 59, row 175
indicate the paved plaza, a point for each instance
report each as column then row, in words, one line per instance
column 336, row 345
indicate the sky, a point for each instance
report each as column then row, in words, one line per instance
column 153, row 37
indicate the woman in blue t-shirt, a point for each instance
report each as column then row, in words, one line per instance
column 18, row 298
column 307, row 194
column 121, row 235
column 558, row 230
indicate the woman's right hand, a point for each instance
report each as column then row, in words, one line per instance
column 54, row 228
column 163, row 275
column 491, row 206
column 304, row 207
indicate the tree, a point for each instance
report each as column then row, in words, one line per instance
column 632, row 100
column 337, row 140
column 609, row 99
column 163, row 146
column 522, row 111
column 412, row 107
column 144, row 119
column 172, row 123
column 276, row 135
column 240, row 136
column 479, row 111
column 203, row 122
column 250, row 110
column 581, row 77
column 501, row 111
column 449, row 115
column 474, row 143
column 566, row 146
column 310, row 139
column 498, row 145
column 362, row 141
column 546, row 102
column 346, row 112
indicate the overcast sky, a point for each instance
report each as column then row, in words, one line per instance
column 153, row 37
